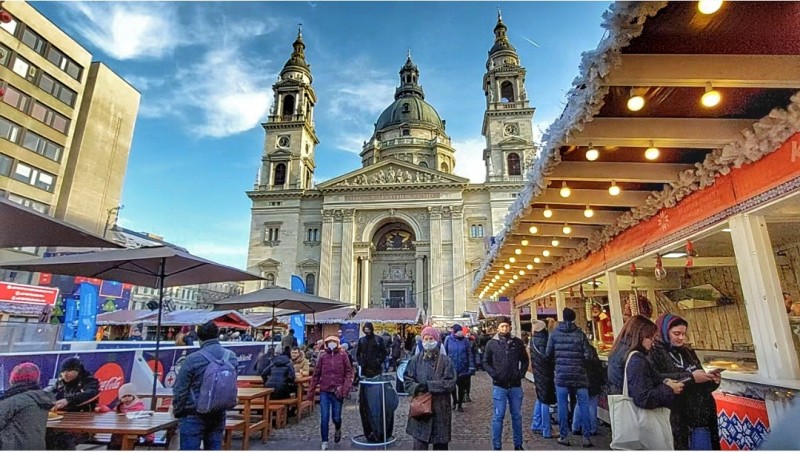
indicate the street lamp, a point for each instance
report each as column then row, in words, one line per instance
column 112, row 211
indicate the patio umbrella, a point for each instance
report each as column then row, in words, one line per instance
column 23, row 226
column 156, row 267
column 280, row 297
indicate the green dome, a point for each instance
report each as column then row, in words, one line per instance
column 409, row 109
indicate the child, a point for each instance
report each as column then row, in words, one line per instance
column 128, row 403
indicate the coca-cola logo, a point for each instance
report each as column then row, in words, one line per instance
column 111, row 377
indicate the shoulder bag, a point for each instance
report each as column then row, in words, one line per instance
column 422, row 404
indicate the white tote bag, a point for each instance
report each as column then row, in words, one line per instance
column 634, row 428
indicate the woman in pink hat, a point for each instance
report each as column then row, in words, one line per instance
column 23, row 410
column 334, row 375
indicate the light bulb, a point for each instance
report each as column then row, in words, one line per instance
column 547, row 212
column 524, row 242
column 522, row 272
column 516, row 277
column 517, row 251
column 530, row 266
column 501, row 271
column 536, row 260
column 709, row 6
column 565, row 191
column 711, row 97
column 636, row 102
column 566, row 229
column 614, row 189
column 652, row 152
column 505, row 285
column 588, row 213
column 546, row 253
column 506, row 266
column 592, row 153
column 512, row 259
column 533, row 229
column 554, row 242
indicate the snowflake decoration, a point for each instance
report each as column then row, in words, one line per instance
column 663, row 221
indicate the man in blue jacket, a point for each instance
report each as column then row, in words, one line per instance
column 194, row 427
column 569, row 349
column 459, row 350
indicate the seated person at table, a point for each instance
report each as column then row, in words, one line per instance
column 77, row 390
column 24, row 409
column 128, row 403
column 300, row 363
column 279, row 375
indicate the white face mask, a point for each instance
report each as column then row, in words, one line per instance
column 429, row 345
column 331, row 345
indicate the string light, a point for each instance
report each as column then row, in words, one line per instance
column 547, row 212
column 592, row 153
column 516, row 277
column 517, row 251
column 567, row 230
column 636, row 101
column 522, row 272
column 614, row 189
column 536, row 260
column 709, row 6
column 502, row 271
column 506, row 266
column 711, row 97
column 565, row 191
column 588, row 213
column 524, row 242
column 546, row 253
column 530, row 266
column 533, row 229
column 512, row 259
column 554, row 242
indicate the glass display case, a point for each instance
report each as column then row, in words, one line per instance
column 743, row 361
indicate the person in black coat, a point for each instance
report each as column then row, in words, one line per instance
column 597, row 380
column 77, row 390
column 371, row 352
column 694, row 412
column 279, row 375
column 543, row 378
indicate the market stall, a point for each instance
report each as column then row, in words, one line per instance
column 390, row 320
column 670, row 184
column 329, row 323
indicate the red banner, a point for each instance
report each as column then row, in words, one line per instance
column 21, row 293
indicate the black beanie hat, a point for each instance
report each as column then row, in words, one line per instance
column 503, row 319
column 71, row 364
column 569, row 315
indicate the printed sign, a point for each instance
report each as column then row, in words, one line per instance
column 23, row 293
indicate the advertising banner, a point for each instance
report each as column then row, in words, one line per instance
column 23, row 293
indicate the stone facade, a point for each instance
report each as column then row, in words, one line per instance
column 403, row 230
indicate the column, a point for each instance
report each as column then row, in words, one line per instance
column 561, row 303
column 365, row 281
column 460, row 278
column 326, row 251
column 762, row 295
column 346, row 282
column 436, row 293
column 614, row 302
column 419, row 280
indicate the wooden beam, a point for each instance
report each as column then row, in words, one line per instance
column 571, row 216
column 725, row 71
column 618, row 171
column 584, row 197
column 700, row 133
column 696, row 262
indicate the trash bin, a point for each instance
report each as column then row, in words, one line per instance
column 399, row 383
column 377, row 401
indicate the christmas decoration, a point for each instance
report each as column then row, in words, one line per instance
column 660, row 272
column 633, row 274
column 690, row 254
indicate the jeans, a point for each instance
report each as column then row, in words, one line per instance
column 328, row 402
column 207, row 428
column 541, row 419
column 576, row 426
column 500, row 398
column 582, row 410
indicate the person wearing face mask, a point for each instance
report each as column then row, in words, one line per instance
column 459, row 351
column 431, row 371
column 371, row 352
column 694, row 413
column 506, row 361
column 334, row 375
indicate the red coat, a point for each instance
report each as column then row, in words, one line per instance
column 332, row 372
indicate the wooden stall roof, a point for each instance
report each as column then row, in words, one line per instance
column 388, row 315
column 126, row 317
column 670, row 54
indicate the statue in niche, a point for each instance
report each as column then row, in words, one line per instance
column 417, row 177
column 391, row 174
column 395, row 240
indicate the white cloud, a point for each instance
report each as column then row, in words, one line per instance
column 469, row 158
column 353, row 101
column 351, row 141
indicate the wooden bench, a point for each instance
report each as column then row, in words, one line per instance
column 278, row 414
column 231, row 425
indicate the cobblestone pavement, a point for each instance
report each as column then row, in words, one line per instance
column 471, row 429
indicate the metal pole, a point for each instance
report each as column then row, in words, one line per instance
column 383, row 412
column 161, row 274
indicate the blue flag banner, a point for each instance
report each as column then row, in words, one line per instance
column 298, row 321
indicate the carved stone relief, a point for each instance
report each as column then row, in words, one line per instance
column 391, row 176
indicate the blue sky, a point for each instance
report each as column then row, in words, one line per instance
column 205, row 71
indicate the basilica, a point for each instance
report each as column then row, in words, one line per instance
column 403, row 230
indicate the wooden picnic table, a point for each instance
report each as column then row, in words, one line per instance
column 162, row 395
column 114, row 423
column 250, row 380
column 301, row 382
column 246, row 397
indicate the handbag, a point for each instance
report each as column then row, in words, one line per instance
column 421, row 406
column 634, row 428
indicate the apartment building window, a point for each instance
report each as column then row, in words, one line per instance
column 58, row 90
column 23, row 69
column 16, row 98
column 50, row 117
column 35, row 205
column 41, row 145
column 9, row 130
column 64, row 63
column 6, row 163
column 5, row 53
column 476, row 231
column 33, row 40
column 10, row 27
column 34, row 176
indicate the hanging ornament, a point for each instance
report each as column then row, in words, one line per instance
column 580, row 290
column 633, row 274
column 660, row 272
column 571, row 292
column 687, row 278
column 690, row 253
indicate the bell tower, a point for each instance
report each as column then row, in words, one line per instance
column 290, row 140
column 508, row 119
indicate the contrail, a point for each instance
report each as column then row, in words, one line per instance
column 532, row 42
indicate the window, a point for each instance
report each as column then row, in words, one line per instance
column 64, row 63
column 9, row 130
column 406, row 108
column 513, row 165
column 41, row 145
column 406, row 133
column 58, row 90
column 312, row 235
column 445, row 168
column 476, row 231
column 10, row 27
column 274, row 203
column 507, row 92
column 33, row 41
column 6, row 163
column 288, row 105
column 270, row 277
column 5, row 53
column 280, row 174
column 21, row 67
column 50, row 117
column 34, row 176
column 16, row 98
column 423, row 164
column 311, row 282
column 35, row 205
column 271, row 234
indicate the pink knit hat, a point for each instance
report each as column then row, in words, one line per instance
column 24, row 373
column 430, row 331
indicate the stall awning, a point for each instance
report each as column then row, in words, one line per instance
column 339, row 315
column 126, row 317
column 388, row 315
column 490, row 309
column 226, row 319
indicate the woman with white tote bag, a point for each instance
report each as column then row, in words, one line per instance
column 640, row 415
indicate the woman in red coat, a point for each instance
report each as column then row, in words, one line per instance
column 334, row 375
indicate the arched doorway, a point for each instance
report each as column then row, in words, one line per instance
column 393, row 266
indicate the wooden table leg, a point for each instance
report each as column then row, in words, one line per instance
column 299, row 401
column 128, row 441
column 265, row 420
column 246, row 432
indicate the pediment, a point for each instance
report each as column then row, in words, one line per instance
column 514, row 141
column 281, row 153
column 393, row 172
column 269, row 263
column 308, row 263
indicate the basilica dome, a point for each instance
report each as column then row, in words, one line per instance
column 411, row 109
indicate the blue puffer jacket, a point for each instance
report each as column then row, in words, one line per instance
column 567, row 347
column 187, row 386
column 280, row 375
column 459, row 350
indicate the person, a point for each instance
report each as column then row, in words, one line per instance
column 23, row 410
column 597, row 379
column 551, row 324
column 136, row 335
column 568, row 348
column 473, row 348
column 543, row 378
column 280, row 375
column 334, row 375
column 289, row 340
column 195, row 427
column 76, row 390
column 410, row 343
column 431, row 372
column 623, row 344
column 370, row 352
column 506, row 362
column 787, row 302
column 300, row 363
column 397, row 350
column 694, row 412
column 191, row 337
column 128, row 403
column 458, row 349
column 340, row 335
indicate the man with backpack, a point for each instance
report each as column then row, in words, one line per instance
column 204, row 390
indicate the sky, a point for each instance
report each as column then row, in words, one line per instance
column 205, row 72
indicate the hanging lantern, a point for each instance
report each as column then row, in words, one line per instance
column 633, row 273
column 580, row 290
column 571, row 292
column 660, row 272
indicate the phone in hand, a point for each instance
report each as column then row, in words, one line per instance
column 685, row 380
column 717, row 370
